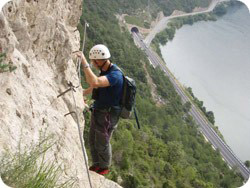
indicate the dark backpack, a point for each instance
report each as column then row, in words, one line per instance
column 128, row 97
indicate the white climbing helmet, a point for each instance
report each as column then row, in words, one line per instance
column 99, row 51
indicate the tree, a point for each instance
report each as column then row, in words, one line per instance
column 175, row 152
column 131, row 181
column 170, row 32
column 168, row 184
column 220, row 10
column 169, row 170
column 247, row 163
column 187, row 107
column 210, row 116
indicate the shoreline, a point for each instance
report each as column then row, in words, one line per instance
column 156, row 49
column 163, row 22
column 173, row 23
column 225, row 135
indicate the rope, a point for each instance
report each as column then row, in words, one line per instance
column 72, row 88
column 77, row 118
column 81, row 139
column 83, row 45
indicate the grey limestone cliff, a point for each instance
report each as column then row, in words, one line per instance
column 39, row 38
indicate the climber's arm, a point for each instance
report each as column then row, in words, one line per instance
column 87, row 91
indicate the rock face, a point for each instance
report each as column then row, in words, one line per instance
column 39, row 38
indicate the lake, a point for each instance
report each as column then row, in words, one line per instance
column 213, row 58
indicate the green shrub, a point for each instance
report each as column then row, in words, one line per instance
column 5, row 67
column 220, row 10
column 130, row 182
column 22, row 169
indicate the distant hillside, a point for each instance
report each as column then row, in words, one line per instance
column 168, row 151
column 167, row 6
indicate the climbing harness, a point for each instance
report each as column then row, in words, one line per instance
column 72, row 89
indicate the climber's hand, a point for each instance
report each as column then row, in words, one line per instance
column 87, row 91
column 80, row 55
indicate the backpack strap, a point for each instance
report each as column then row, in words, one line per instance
column 124, row 89
column 136, row 118
column 115, row 68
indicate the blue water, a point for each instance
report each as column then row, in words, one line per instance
column 213, row 58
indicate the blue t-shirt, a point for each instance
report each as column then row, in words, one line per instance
column 111, row 95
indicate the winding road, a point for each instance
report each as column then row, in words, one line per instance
column 162, row 24
column 204, row 125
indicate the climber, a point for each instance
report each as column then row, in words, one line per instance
column 106, row 91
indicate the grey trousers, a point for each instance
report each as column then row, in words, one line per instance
column 103, row 123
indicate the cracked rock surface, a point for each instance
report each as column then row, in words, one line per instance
column 38, row 38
